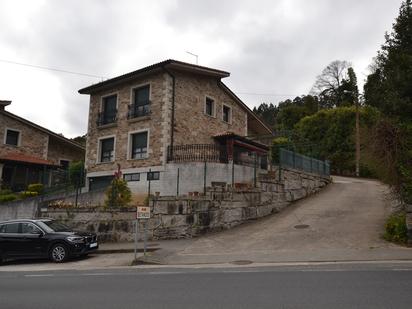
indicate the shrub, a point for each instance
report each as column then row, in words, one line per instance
column 7, row 197
column 395, row 228
column 26, row 194
column 118, row 194
column 76, row 173
column 6, row 192
column 36, row 187
column 277, row 143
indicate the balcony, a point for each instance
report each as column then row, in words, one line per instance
column 197, row 153
column 106, row 118
column 136, row 111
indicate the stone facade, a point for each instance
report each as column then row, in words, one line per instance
column 37, row 142
column 31, row 142
column 191, row 124
column 189, row 216
column 58, row 150
column 154, row 124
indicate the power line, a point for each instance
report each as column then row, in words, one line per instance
column 270, row 94
column 103, row 77
column 52, row 69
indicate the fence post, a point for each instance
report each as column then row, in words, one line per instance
column 204, row 180
column 149, row 179
column 177, row 182
column 294, row 157
column 280, row 164
column 233, row 173
column 254, row 169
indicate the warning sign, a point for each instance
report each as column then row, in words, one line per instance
column 143, row 212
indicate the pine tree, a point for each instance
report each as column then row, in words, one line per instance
column 389, row 87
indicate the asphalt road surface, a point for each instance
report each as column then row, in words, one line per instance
column 344, row 222
column 327, row 286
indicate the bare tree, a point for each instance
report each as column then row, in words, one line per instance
column 328, row 83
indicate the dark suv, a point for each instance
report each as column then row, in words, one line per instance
column 42, row 238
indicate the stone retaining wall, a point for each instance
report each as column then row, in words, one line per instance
column 189, row 216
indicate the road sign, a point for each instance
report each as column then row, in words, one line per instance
column 143, row 212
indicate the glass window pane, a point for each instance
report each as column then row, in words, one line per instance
column 209, row 106
column 153, row 176
column 12, row 228
column 226, row 113
column 29, row 228
column 132, row 177
column 109, row 109
column 139, row 145
column 12, row 137
column 141, row 95
column 107, row 149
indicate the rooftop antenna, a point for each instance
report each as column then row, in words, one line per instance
column 197, row 56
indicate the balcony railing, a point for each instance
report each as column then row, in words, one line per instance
column 138, row 110
column 197, row 153
column 106, row 118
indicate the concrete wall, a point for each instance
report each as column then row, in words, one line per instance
column 26, row 209
column 191, row 177
column 189, row 216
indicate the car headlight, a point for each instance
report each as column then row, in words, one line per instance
column 75, row 239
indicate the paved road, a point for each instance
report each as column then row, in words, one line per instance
column 340, row 286
column 345, row 222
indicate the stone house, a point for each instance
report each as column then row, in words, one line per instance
column 29, row 152
column 170, row 120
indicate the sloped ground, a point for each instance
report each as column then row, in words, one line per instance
column 345, row 221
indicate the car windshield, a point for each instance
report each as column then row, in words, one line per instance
column 54, row 226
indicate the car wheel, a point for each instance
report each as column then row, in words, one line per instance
column 58, row 253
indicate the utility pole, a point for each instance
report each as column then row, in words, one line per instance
column 357, row 137
column 357, row 131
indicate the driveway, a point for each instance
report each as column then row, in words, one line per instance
column 344, row 222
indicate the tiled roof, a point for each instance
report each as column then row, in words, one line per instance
column 18, row 157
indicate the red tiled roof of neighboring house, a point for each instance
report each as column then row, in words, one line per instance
column 18, row 157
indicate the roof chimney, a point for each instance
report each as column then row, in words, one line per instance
column 3, row 104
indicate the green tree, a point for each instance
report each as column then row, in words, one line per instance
column 118, row 194
column 76, row 173
column 267, row 112
column 331, row 132
column 389, row 86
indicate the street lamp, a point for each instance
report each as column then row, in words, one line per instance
column 357, row 133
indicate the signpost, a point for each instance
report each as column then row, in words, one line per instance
column 143, row 213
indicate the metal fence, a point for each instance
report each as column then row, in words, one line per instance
column 197, row 153
column 298, row 161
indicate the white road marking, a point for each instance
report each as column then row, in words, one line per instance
column 40, row 275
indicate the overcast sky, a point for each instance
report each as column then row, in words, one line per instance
column 274, row 49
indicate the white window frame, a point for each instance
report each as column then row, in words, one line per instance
column 214, row 106
column 5, row 137
column 99, row 149
column 230, row 113
column 129, row 144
